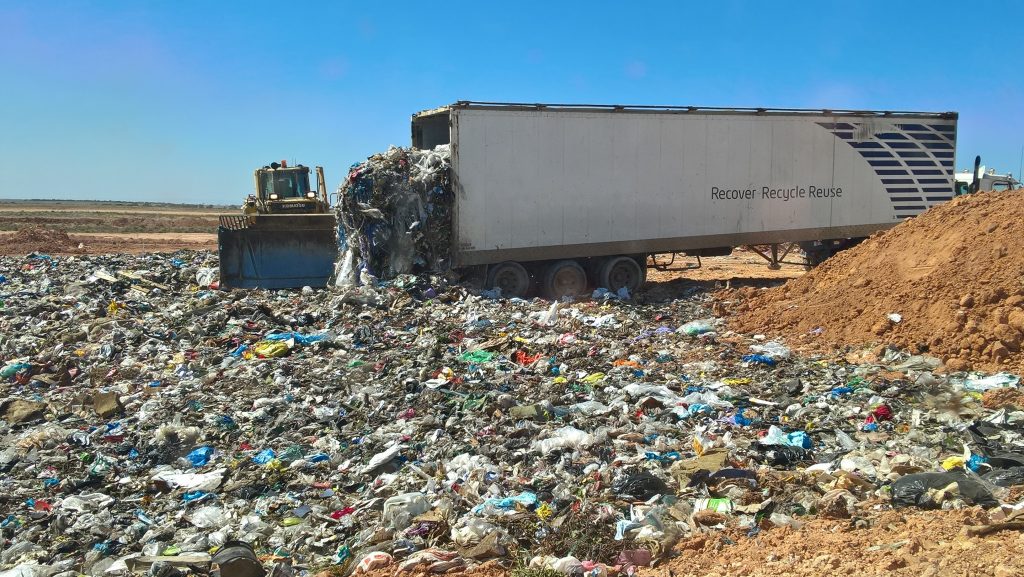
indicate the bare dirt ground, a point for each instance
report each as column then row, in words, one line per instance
column 742, row 264
column 78, row 227
column 109, row 217
column 7, row 205
column 58, row 242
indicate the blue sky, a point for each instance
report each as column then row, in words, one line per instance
column 179, row 101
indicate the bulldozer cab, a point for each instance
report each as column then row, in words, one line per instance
column 281, row 189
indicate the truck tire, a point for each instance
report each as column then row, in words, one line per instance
column 564, row 278
column 815, row 253
column 621, row 271
column 511, row 277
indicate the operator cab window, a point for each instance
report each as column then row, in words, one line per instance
column 287, row 185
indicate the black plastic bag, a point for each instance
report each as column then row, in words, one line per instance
column 780, row 455
column 640, row 485
column 1005, row 477
column 912, row 490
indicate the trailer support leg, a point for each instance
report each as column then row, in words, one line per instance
column 659, row 266
column 774, row 253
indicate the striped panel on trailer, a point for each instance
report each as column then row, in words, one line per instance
column 913, row 160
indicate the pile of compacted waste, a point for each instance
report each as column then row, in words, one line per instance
column 153, row 424
column 394, row 215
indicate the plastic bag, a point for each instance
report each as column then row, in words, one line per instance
column 478, row 356
column 400, row 509
column 772, row 349
column 383, row 457
column 270, row 349
column 928, row 490
column 206, row 276
column 979, row 384
column 495, row 504
column 295, row 337
column 776, row 436
column 698, row 327
column 371, row 561
column 200, row 456
column 209, row 517
column 191, row 481
column 641, row 486
column 591, row 408
column 719, row 505
column 782, row 455
column 264, row 456
column 564, row 438
column 1005, row 477
column 760, row 359
column 86, row 502
column 472, row 531
column 13, row 369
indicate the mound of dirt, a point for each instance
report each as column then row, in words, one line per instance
column 39, row 239
column 933, row 543
column 949, row 282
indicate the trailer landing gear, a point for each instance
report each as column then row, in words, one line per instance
column 775, row 253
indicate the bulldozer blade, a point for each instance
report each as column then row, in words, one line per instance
column 277, row 251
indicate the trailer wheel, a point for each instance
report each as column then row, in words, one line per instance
column 642, row 261
column 564, row 278
column 814, row 254
column 621, row 271
column 511, row 277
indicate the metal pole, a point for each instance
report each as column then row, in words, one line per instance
column 1020, row 167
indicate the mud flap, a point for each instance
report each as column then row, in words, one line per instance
column 277, row 251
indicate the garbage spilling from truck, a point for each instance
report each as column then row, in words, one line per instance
column 152, row 424
column 949, row 282
column 394, row 216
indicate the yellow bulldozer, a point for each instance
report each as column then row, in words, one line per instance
column 286, row 235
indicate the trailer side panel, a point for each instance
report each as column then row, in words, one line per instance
column 535, row 184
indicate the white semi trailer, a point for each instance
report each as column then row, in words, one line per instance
column 571, row 196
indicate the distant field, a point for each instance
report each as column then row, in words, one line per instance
column 110, row 217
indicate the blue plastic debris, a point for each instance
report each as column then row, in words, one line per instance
column 840, row 391
column 200, row 456
column 298, row 337
column 761, row 359
column 264, row 456
column 526, row 499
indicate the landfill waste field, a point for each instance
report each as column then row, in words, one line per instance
column 153, row 424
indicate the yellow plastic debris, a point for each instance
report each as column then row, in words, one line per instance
column 953, row 463
column 270, row 349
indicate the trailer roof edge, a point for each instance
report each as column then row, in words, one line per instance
column 673, row 109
